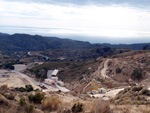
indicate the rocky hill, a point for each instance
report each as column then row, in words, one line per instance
column 131, row 68
column 126, row 69
column 25, row 42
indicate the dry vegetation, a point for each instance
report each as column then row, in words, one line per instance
column 65, row 103
column 130, row 68
column 101, row 106
column 130, row 108
column 51, row 104
column 133, row 96
column 134, row 66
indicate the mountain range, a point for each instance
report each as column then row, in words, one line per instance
column 26, row 42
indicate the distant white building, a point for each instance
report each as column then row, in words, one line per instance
column 52, row 74
column 49, row 74
column 94, row 92
column 61, row 58
column 102, row 90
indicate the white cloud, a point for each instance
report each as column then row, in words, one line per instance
column 108, row 21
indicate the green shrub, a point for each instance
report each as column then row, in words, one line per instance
column 37, row 98
column 22, row 102
column 29, row 108
column 118, row 70
column 29, row 88
column 77, row 108
column 21, row 89
column 137, row 74
column 30, row 97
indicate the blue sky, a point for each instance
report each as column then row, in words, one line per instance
column 97, row 21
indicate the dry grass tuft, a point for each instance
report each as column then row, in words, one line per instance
column 144, row 109
column 3, row 87
column 51, row 104
column 3, row 100
column 121, row 109
column 131, row 109
column 101, row 106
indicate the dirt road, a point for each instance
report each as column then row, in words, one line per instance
column 110, row 94
column 103, row 71
column 27, row 78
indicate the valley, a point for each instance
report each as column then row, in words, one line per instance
column 74, row 79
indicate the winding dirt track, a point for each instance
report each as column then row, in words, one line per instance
column 111, row 93
column 105, row 76
column 103, row 71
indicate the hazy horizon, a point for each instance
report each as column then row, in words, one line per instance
column 102, row 40
column 96, row 21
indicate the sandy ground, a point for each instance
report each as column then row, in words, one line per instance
column 16, row 79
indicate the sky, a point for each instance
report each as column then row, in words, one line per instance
column 97, row 21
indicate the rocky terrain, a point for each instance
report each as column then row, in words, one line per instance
column 102, row 80
column 127, row 69
column 132, row 68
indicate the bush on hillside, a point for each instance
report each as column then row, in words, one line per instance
column 137, row 74
column 118, row 70
column 37, row 98
column 77, row 108
column 29, row 88
column 22, row 102
column 22, row 89
column 29, row 108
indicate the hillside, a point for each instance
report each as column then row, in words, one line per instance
column 130, row 68
column 25, row 42
column 138, row 46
